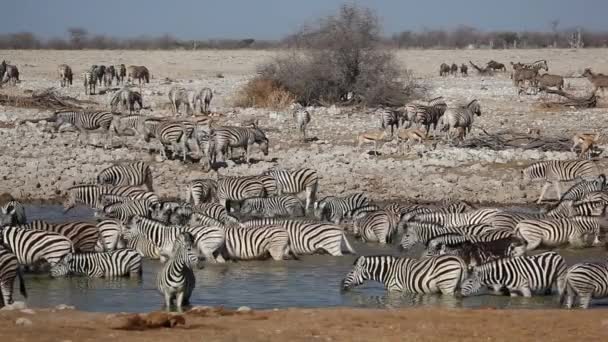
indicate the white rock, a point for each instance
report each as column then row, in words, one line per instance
column 64, row 307
column 244, row 309
column 23, row 321
column 14, row 306
column 28, row 311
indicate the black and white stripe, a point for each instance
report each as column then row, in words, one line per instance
column 477, row 253
column 12, row 213
column 110, row 236
column 585, row 281
column 201, row 191
column 424, row 232
column 84, row 235
column 526, row 275
column 213, row 210
column 135, row 173
column 379, row 226
column 478, row 216
column 89, row 79
column 296, row 181
column 285, row 205
column 124, row 211
column 124, row 262
column 462, row 116
column 9, row 270
column 581, row 189
column 441, row 274
column 237, row 189
column 168, row 133
column 575, row 231
column 428, row 114
column 176, row 279
column 227, row 137
column 256, row 243
column 31, row 246
column 556, row 171
column 334, row 209
column 388, row 118
column 92, row 195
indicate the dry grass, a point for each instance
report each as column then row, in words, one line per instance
column 263, row 93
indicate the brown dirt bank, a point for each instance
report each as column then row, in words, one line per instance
column 324, row 325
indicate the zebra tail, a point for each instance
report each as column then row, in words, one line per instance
column 349, row 248
column 22, row 288
column 149, row 182
column 564, row 291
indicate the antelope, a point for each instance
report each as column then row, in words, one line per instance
column 371, row 136
column 599, row 81
column 586, row 141
column 408, row 135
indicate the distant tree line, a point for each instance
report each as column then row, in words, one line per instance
column 458, row 38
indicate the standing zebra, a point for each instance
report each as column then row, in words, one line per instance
column 296, row 181
column 585, row 281
column 202, row 97
column 124, row 211
column 121, row 72
column 556, row 171
column 222, row 138
column 429, row 113
column 302, row 119
column 31, row 246
column 256, row 243
column 447, row 219
column 124, row 262
column 84, row 235
column 379, row 226
column 9, row 270
column 126, row 98
column 91, row 195
column 462, row 116
column 85, row 121
column 65, row 75
column 177, row 96
column 201, row 191
column 388, row 118
column 526, row 275
column 110, row 236
column 108, row 76
column 237, row 189
column 135, row 173
column 12, row 213
column 334, row 209
column 557, row 232
column 441, row 274
column 581, row 189
column 176, row 279
column 285, row 205
column 168, row 133
column 89, row 79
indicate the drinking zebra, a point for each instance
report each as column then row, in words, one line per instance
column 334, row 209
column 124, row 211
column 423, row 232
column 585, row 281
column 9, row 270
column 286, row 205
column 479, row 216
column 555, row 171
column 309, row 237
column 256, row 243
column 462, row 116
column 526, row 275
column 123, row 262
column 222, row 138
column 302, row 119
column 237, row 189
column 440, row 274
column 430, row 113
column 136, row 173
column 574, row 231
column 31, row 246
column 379, row 226
column 176, row 279
column 12, row 213
column 84, row 235
column 92, row 195
column 296, row 181
column 476, row 253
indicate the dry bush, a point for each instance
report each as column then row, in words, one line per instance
column 263, row 93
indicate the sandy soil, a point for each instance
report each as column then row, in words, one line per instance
column 36, row 164
column 320, row 325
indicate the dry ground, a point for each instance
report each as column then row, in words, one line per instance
column 323, row 325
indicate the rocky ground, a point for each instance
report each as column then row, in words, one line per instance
column 314, row 325
column 36, row 164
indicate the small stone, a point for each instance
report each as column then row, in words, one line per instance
column 244, row 309
column 64, row 307
column 23, row 321
column 28, row 311
column 14, row 306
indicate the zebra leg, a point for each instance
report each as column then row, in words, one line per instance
column 167, row 301
column 585, row 300
column 543, row 191
column 558, row 190
column 179, row 301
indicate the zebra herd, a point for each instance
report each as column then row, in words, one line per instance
column 263, row 216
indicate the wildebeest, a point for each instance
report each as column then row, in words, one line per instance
column 599, row 81
column 109, row 75
column 138, row 72
column 121, row 73
column 464, row 70
column 8, row 73
column 444, row 69
column 454, row 69
column 99, row 71
column 65, row 75
column 494, row 65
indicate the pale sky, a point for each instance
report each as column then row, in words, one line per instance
column 273, row 19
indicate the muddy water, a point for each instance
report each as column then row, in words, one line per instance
column 313, row 281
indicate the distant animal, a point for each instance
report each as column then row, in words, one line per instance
column 464, row 70
column 8, row 73
column 12, row 213
column 371, row 136
column 547, row 80
column 302, row 119
column 126, row 98
column 454, row 69
column 99, row 71
column 407, row 136
column 121, row 73
column 109, row 75
column 535, row 132
column 203, row 97
column 538, row 65
column 494, row 65
column 599, row 81
column 177, row 96
column 138, row 72
column 462, row 116
column 444, row 69
column 485, row 71
column 90, row 82
column 65, row 75
column 586, row 141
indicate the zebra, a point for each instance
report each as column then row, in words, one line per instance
column 121, row 72
column 285, row 205
column 585, row 281
column 204, row 96
column 90, row 82
column 580, row 189
column 207, row 239
column 537, row 65
column 91, row 195
column 409, row 212
column 296, row 181
column 201, row 191
column 594, row 197
column 271, row 186
column 84, row 121
column 434, row 246
column 177, row 96
column 478, row 216
column 429, row 113
column 31, row 246
column 309, row 237
column 237, row 189
column 84, row 235
column 8, row 73
column 388, row 118
column 65, row 75
column 175, row 213
column 334, row 209
column 176, row 278
column 9, row 270
column 481, row 252
column 110, row 236
column 138, row 72
column 256, row 243
column 462, row 116
column 99, row 71
column 12, row 213
column 213, row 210
column 440, row 274
column 126, row 97
column 123, row 211
column 124, row 262
column 555, row 171
column 134, row 173
column 108, row 75
column 379, row 226
column 423, row 232
column 168, row 133
column 555, row 232
column 222, row 138
column 526, row 275
column 302, row 119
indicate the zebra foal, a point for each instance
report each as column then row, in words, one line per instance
column 176, row 280
column 124, row 262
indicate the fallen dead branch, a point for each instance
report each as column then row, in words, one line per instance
column 45, row 99
column 482, row 71
column 512, row 140
column 572, row 101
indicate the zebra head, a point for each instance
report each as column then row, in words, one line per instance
column 475, row 107
column 517, row 248
column 62, row 268
column 7, row 215
column 471, row 285
column 409, row 239
column 357, row 275
column 131, row 229
column 184, row 248
column 249, row 207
